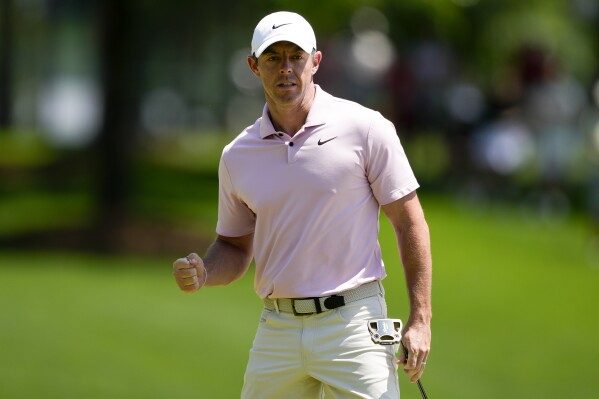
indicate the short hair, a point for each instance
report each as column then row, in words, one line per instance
column 312, row 54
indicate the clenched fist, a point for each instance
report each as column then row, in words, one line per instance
column 190, row 273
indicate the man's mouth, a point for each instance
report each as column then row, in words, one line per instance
column 286, row 84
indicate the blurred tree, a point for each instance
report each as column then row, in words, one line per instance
column 145, row 45
column 184, row 48
column 6, row 47
column 122, row 52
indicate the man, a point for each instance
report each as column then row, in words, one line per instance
column 300, row 192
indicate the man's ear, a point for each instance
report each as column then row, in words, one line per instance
column 253, row 64
column 316, row 58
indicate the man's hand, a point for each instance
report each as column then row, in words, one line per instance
column 417, row 340
column 190, row 273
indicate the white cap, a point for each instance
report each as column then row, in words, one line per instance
column 283, row 26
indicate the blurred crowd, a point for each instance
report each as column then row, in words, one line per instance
column 528, row 136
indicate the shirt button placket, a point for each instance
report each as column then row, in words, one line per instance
column 290, row 152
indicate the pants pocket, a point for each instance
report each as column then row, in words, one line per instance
column 363, row 310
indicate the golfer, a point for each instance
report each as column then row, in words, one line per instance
column 300, row 192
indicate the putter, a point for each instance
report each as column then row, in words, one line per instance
column 388, row 332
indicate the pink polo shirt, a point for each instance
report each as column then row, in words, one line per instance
column 312, row 200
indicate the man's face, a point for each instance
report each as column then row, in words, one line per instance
column 286, row 72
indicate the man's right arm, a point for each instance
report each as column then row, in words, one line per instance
column 227, row 259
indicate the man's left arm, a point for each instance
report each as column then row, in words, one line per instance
column 407, row 217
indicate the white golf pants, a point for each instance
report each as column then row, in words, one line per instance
column 328, row 355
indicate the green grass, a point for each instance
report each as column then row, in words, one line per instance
column 514, row 317
column 84, row 327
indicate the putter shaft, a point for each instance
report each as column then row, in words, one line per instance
column 420, row 387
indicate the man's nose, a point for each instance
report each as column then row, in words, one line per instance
column 286, row 65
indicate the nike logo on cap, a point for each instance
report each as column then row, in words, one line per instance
column 278, row 26
column 320, row 142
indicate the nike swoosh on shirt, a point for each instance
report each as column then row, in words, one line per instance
column 321, row 142
column 278, row 26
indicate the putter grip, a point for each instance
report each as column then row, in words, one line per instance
column 403, row 349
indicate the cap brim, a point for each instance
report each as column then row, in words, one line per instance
column 304, row 45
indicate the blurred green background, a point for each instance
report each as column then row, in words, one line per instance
column 112, row 118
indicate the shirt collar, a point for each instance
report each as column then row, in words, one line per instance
column 316, row 115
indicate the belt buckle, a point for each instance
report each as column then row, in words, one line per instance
column 295, row 312
column 316, row 301
column 330, row 303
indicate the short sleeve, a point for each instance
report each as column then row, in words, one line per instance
column 235, row 219
column 387, row 167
